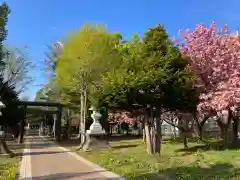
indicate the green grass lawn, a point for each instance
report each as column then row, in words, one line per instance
column 8, row 167
column 130, row 159
column 9, row 164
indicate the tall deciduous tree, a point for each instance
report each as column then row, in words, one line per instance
column 4, row 12
column 16, row 70
column 86, row 55
column 12, row 113
column 48, row 92
column 152, row 76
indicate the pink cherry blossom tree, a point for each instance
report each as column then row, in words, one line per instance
column 214, row 56
column 122, row 117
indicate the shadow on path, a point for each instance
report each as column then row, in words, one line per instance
column 65, row 176
column 70, row 143
column 40, row 153
column 46, row 152
column 41, row 145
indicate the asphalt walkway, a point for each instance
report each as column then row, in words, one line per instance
column 45, row 160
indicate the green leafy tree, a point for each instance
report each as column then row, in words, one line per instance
column 12, row 114
column 87, row 55
column 48, row 92
column 4, row 12
column 153, row 76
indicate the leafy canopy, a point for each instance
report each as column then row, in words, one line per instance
column 152, row 71
column 87, row 54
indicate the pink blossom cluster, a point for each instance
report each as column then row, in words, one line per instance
column 214, row 56
column 121, row 117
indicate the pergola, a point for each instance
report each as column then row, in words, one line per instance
column 58, row 112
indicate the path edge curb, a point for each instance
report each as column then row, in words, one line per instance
column 25, row 163
column 17, row 177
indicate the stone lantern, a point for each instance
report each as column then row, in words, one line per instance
column 95, row 127
column 95, row 135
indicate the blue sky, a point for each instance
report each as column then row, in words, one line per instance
column 37, row 23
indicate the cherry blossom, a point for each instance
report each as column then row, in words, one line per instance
column 214, row 56
column 122, row 117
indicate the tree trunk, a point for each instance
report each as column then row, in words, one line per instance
column 21, row 132
column 200, row 126
column 127, row 130
column 148, row 138
column 153, row 132
column 200, row 132
column 83, row 111
column 143, row 132
column 153, row 139
column 235, row 129
column 15, row 131
column 84, row 116
column 224, row 130
column 184, row 133
column 69, row 124
column 185, row 141
column 118, row 129
column 81, row 117
column 110, row 129
column 144, row 136
column 3, row 145
column 174, row 132
column 106, row 126
column 79, row 127
column 158, row 136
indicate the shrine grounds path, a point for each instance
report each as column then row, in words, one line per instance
column 45, row 160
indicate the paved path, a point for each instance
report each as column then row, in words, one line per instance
column 44, row 160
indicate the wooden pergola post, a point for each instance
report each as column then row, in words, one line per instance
column 21, row 128
column 57, row 129
column 58, row 124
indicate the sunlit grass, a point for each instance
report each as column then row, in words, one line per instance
column 8, row 167
column 130, row 159
column 9, row 163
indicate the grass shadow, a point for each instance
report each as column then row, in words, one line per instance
column 216, row 146
column 178, row 139
column 124, row 146
column 217, row 171
column 122, row 137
